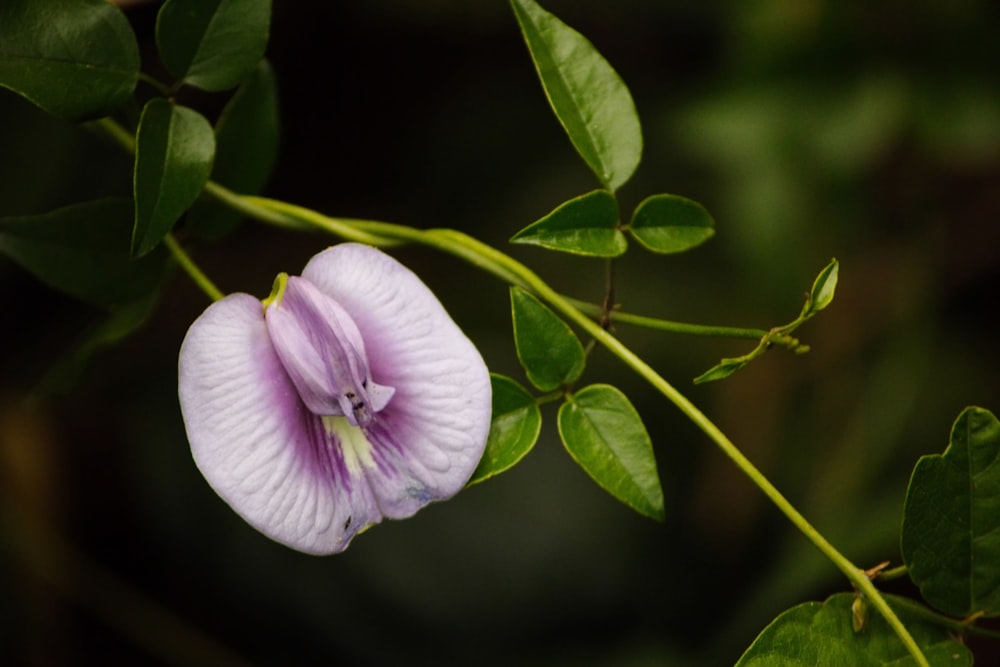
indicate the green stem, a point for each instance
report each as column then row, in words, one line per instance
column 915, row 608
column 186, row 263
column 510, row 270
column 667, row 325
column 894, row 573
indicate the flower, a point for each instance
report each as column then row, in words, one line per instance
column 346, row 397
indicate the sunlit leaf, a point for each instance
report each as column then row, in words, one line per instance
column 589, row 98
column 821, row 294
column 817, row 633
column 585, row 225
column 246, row 145
column 547, row 348
column 83, row 250
column 173, row 159
column 76, row 59
column 514, row 430
column 950, row 535
column 212, row 44
column 605, row 435
column 670, row 223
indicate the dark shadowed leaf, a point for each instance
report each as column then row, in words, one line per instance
column 246, row 145
column 547, row 348
column 83, row 250
column 670, row 223
column 212, row 44
column 513, row 431
column 950, row 535
column 122, row 321
column 76, row 59
column 816, row 633
column 589, row 98
column 173, row 159
column 605, row 435
column 585, row 225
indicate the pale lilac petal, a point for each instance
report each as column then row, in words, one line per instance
column 429, row 438
column 260, row 449
column 323, row 352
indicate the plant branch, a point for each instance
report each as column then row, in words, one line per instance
column 196, row 274
column 508, row 269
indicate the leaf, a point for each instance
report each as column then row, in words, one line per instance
column 723, row 369
column 587, row 95
column 115, row 327
column 173, row 159
column 821, row 294
column 82, row 250
column 585, row 225
column 246, row 145
column 605, row 435
column 817, row 633
column 212, row 44
column 671, row 223
column 547, row 348
column 514, row 430
column 950, row 536
column 76, row 59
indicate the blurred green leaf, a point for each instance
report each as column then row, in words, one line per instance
column 605, row 435
column 76, row 59
column 589, row 98
column 246, row 145
column 584, row 225
column 113, row 328
column 723, row 369
column 514, row 430
column 547, row 348
column 822, row 290
column 817, row 633
column 173, row 158
column 670, row 223
column 82, row 250
column 950, row 536
column 212, row 44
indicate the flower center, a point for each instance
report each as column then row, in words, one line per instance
column 322, row 351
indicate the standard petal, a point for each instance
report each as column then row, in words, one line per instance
column 275, row 463
column 430, row 437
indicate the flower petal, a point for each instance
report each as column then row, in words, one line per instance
column 277, row 465
column 429, row 438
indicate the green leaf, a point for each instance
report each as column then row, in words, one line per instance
column 723, row 369
column 82, row 250
column 76, row 59
column 173, row 159
column 212, row 44
column 116, row 326
column 670, row 223
column 822, row 290
column 246, row 145
column 514, row 430
column 547, row 348
column 817, row 633
column 585, row 225
column 605, row 435
column 950, row 536
column 589, row 98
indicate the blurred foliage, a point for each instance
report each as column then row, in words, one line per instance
column 809, row 129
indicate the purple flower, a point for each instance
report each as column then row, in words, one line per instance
column 346, row 397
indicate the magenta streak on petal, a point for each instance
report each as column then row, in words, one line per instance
column 324, row 354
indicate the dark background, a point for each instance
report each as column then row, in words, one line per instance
column 869, row 131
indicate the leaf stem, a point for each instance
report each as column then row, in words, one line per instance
column 186, row 263
column 668, row 325
column 508, row 269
